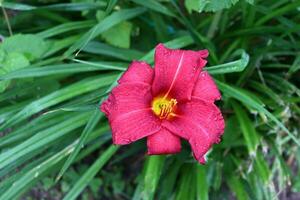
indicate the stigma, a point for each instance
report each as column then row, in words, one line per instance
column 164, row 108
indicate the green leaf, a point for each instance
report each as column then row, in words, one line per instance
column 84, row 66
column 119, row 35
column 93, row 120
column 295, row 66
column 149, row 182
column 11, row 62
column 187, row 183
column 34, row 171
column 110, row 6
column 58, row 7
column 66, row 27
column 168, row 181
column 202, row 185
column 90, row 173
column 210, row 5
column 261, row 167
column 156, row 6
column 236, row 185
column 32, row 46
column 71, row 91
column 105, row 24
column 250, row 135
column 277, row 12
column 234, row 66
column 231, row 91
column 45, row 137
column 3, row 83
column 179, row 42
column 107, row 50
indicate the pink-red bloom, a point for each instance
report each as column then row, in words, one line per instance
column 172, row 101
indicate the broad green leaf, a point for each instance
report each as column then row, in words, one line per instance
column 3, row 83
column 90, row 173
column 104, row 25
column 12, row 61
column 32, row 46
column 119, row 35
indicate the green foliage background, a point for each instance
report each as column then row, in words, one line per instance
column 62, row 58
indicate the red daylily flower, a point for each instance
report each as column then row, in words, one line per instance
column 172, row 101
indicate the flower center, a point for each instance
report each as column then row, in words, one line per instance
column 163, row 107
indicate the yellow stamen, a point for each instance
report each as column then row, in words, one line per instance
column 163, row 107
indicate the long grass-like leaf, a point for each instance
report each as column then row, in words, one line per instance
column 90, row 173
column 247, row 100
column 59, row 96
column 102, row 26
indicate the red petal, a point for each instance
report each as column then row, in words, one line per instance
column 176, row 71
column 199, row 122
column 205, row 88
column 138, row 72
column 129, row 113
column 163, row 142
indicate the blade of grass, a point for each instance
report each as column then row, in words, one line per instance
column 82, row 66
column 102, row 26
column 90, row 173
column 202, row 186
column 248, row 129
column 81, row 87
column 231, row 91
column 149, row 181
column 156, row 6
column 234, row 66
column 278, row 12
column 57, row 7
column 66, row 27
column 107, row 50
column 36, row 169
column 91, row 124
column 45, row 137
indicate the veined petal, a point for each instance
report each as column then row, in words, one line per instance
column 205, row 88
column 199, row 122
column 163, row 142
column 129, row 113
column 176, row 71
column 138, row 72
